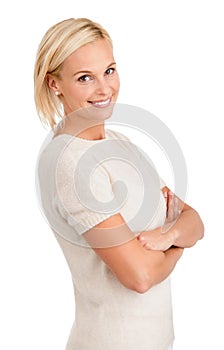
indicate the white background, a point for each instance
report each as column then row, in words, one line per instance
column 171, row 61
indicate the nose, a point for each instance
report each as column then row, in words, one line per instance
column 103, row 87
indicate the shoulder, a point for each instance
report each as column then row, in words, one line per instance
column 117, row 135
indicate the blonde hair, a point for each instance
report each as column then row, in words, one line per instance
column 59, row 42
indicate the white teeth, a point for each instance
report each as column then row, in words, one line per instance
column 101, row 103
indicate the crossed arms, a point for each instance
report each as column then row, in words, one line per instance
column 150, row 257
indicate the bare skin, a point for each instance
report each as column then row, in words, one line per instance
column 186, row 227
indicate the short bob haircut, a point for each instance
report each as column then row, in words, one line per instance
column 59, row 42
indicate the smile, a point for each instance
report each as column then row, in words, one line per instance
column 101, row 103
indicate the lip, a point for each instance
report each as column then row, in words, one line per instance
column 101, row 103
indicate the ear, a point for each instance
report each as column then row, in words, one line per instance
column 53, row 83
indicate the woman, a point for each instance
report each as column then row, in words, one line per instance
column 120, row 275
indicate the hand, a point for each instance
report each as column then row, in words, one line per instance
column 156, row 240
column 164, row 237
column 172, row 204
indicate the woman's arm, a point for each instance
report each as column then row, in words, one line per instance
column 186, row 229
column 135, row 267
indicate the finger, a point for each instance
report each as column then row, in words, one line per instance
column 165, row 197
column 170, row 212
column 176, row 208
column 142, row 240
column 147, row 246
column 170, row 199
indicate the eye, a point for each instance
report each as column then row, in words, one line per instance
column 84, row 78
column 110, row 71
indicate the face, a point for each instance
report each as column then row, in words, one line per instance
column 88, row 78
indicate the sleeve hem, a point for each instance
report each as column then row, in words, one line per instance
column 90, row 221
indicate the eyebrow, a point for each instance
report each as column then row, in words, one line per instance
column 88, row 71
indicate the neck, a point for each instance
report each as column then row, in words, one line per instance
column 82, row 127
column 96, row 132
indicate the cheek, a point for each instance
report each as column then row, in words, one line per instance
column 81, row 93
column 118, row 82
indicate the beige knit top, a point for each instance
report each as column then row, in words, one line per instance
column 80, row 184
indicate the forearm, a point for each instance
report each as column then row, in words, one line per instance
column 163, row 270
column 187, row 229
column 184, row 232
column 136, row 268
column 160, row 267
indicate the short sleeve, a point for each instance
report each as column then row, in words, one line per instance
column 140, row 153
column 84, row 191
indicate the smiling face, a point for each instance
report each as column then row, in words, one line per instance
column 88, row 78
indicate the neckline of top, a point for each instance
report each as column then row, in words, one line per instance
column 81, row 139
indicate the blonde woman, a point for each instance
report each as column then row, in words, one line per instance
column 121, row 279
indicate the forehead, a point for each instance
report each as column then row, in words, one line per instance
column 90, row 56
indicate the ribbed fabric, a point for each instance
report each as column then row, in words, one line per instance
column 108, row 315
